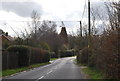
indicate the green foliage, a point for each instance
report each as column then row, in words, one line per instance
column 18, row 48
column 44, row 45
column 51, row 59
column 19, row 41
column 66, row 53
column 93, row 74
column 13, row 71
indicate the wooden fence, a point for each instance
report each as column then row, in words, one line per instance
column 9, row 61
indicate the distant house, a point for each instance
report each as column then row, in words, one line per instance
column 1, row 31
column 5, row 39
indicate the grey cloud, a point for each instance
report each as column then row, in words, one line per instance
column 76, row 15
column 23, row 9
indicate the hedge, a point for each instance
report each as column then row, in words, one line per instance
column 46, row 57
column 82, row 56
column 53, row 55
column 39, row 55
column 23, row 56
column 66, row 53
column 22, row 53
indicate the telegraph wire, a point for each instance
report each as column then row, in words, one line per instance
column 83, row 10
column 42, row 21
column 12, row 29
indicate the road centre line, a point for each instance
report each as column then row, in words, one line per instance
column 50, row 72
column 41, row 77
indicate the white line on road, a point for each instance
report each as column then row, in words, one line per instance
column 41, row 77
column 50, row 72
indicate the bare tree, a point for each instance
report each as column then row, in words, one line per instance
column 42, row 33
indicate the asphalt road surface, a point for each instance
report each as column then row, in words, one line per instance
column 63, row 68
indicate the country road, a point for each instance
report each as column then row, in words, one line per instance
column 63, row 68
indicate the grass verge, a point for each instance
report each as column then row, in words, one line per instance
column 92, row 73
column 13, row 71
column 51, row 59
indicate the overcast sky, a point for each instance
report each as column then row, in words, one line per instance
column 13, row 13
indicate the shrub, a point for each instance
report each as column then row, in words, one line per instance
column 52, row 54
column 82, row 57
column 110, row 50
column 46, row 57
column 44, row 45
column 103, row 54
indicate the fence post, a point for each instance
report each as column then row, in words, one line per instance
column 30, row 56
column 7, row 60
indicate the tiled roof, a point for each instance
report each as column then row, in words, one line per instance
column 7, row 37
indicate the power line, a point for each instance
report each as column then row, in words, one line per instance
column 41, row 21
column 83, row 11
column 11, row 28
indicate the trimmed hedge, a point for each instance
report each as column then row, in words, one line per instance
column 53, row 55
column 36, row 55
column 46, row 57
column 24, row 56
column 67, row 53
column 22, row 53
column 39, row 55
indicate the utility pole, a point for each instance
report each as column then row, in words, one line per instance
column 89, row 31
column 80, row 29
column 118, row 30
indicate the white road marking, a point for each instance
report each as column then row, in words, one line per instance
column 50, row 72
column 41, row 77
